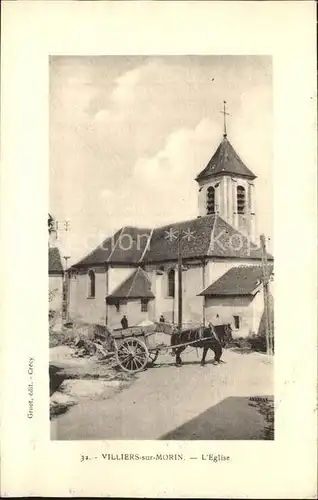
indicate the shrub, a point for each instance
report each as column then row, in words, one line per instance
column 257, row 343
column 52, row 314
column 52, row 294
column 56, row 338
column 241, row 342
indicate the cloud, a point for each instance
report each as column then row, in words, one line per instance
column 184, row 150
column 147, row 104
column 161, row 188
column 131, row 90
column 123, row 93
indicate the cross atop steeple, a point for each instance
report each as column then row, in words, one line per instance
column 224, row 115
column 226, row 187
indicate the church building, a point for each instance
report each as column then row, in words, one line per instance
column 134, row 271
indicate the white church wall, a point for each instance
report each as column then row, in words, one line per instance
column 216, row 268
column 152, row 311
column 164, row 304
column 192, row 303
column 93, row 310
column 116, row 275
column 84, row 308
column 132, row 310
column 114, row 315
column 73, row 301
column 230, row 200
column 192, row 281
column 193, row 284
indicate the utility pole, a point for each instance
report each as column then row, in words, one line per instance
column 204, row 262
column 56, row 225
column 66, row 257
column 66, row 288
column 179, row 283
column 266, row 297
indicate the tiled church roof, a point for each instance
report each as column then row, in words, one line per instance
column 242, row 280
column 136, row 286
column 163, row 248
column 126, row 246
column 225, row 160
column 208, row 236
column 211, row 237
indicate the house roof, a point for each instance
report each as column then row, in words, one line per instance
column 208, row 236
column 55, row 263
column 225, row 160
column 242, row 280
column 136, row 286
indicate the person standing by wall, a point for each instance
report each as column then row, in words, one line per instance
column 124, row 322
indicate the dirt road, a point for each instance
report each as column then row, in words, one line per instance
column 166, row 402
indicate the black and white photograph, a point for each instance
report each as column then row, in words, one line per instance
column 160, row 236
column 158, row 227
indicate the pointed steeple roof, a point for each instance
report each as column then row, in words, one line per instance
column 225, row 161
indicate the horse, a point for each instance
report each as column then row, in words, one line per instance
column 211, row 337
column 224, row 333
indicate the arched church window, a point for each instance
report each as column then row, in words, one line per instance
column 91, row 284
column 241, row 199
column 171, row 283
column 210, row 200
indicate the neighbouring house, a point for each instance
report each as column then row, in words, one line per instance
column 56, row 274
column 134, row 271
column 237, row 298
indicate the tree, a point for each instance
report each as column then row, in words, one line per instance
column 51, row 223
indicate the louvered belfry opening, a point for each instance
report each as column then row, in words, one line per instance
column 241, row 200
column 210, row 201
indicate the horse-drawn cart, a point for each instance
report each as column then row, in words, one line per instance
column 136, row 347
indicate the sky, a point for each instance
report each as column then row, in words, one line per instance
column 128, row 135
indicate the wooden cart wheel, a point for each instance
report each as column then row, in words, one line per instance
column 153, row 356
column 132, row 355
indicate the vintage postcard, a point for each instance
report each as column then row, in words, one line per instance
column 159, row 160
column 163, row 257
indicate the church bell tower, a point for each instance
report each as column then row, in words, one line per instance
column 226, row 188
